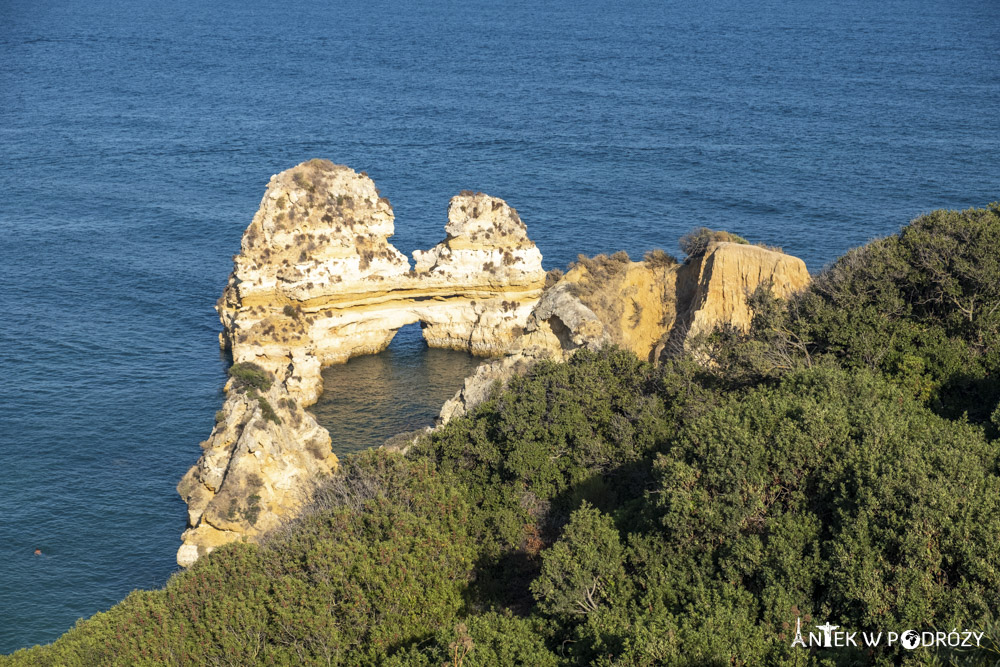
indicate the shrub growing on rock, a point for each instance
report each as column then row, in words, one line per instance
column 657, row 259
column 248, row 375
column 696, row 242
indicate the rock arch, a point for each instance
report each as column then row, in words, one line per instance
column 315, row 283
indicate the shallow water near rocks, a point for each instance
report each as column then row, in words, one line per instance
column 136, row 146
column 372, row 398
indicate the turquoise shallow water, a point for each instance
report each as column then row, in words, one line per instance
column 136, row 140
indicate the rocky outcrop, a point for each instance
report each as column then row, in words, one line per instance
column 713, row 290
column 641, row 306
column 258, row 467
column 315, row 283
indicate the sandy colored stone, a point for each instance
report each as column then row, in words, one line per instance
column 716, row 289
column 317, row 282
column 641, row 306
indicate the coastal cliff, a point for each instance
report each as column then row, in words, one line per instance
column 317, row 282
column 498, row 536
column 641, row 306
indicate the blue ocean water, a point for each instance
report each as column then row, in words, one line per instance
column 136, row 139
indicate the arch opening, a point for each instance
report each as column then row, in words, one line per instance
column 374, row 397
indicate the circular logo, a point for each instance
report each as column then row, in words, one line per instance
column 910, row 639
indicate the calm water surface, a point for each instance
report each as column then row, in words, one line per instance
column 370, row 399
column 136, row 139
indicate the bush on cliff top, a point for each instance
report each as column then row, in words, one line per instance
column 696, row 242
column 922, row 307
column 658, row 258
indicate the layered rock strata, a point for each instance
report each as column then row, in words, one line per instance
column 641, row 306
column 315, row 283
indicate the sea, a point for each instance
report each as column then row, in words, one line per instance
column 136, row 140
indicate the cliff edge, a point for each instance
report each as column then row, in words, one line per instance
column 317, row 282
column 641, row 306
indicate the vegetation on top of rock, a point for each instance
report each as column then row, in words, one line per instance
column 252, row 379
column 600, row 265
column 552, row 276
column 696, row 242
column 266, row 409
column 657, row 258
column 921, row 307
column 592, row 286
column 837, row 463
column 248, row 375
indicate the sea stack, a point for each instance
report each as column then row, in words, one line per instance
column 317, row 282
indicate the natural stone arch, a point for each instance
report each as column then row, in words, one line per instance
column 317, row 282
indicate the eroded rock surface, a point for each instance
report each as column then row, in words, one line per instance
column 641, row 306
column 315, row 283
column 714, row 289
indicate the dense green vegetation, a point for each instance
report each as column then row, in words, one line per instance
column 838, row 463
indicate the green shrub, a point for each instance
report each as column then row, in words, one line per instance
column 584, row 568
column 485, row 640
column 337, row 586
column 922, row 307
column 561, row 434
column 248, row 375
column 265, row 407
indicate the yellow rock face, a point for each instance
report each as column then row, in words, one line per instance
column 641, row 306
column 634, row 301
column 715, row 290
column 315, row 283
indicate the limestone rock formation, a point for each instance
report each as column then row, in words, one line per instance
column 640, row 306
column 257, row 469
column 714, row 289
column 317, row 278
column 315, row 283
